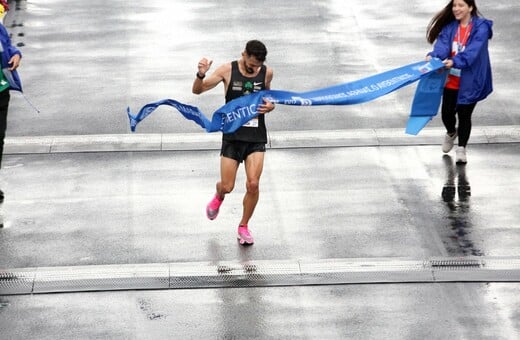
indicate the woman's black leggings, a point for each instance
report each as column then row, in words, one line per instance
column 4, row 105
column 450, row 110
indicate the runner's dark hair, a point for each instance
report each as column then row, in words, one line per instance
column 257, row 49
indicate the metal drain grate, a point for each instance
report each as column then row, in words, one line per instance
column 456, row 263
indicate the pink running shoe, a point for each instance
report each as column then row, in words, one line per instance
column 244, row 236
column 213, row 207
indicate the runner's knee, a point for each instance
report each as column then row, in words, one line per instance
column 252, row 186
column 227, row 187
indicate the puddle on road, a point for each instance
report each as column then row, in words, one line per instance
column 146, row 307
column 3, row 305
column 455, row 194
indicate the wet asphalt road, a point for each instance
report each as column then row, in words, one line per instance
column 402, row 311
column 70, row 209
column 85, row 62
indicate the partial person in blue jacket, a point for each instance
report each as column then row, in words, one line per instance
column 9, row 80
column 460, row 36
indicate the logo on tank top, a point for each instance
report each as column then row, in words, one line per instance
column 237, row 86
column 248, row 88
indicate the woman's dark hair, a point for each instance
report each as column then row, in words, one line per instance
column 257, row 49
column 444, row 17
column 5, row 4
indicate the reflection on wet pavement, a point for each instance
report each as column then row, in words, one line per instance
column 459, row 241
column 1, row 215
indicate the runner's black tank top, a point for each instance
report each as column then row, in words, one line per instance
column 240, row 85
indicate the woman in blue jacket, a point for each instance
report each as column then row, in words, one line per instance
column 10, row 60
column 460, row 37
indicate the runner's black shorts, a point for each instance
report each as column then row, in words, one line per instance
column 239, row 150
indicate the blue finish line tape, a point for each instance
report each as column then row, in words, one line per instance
column 236, row 113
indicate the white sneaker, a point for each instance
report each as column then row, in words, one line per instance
column 448, row 142
column 460, row 155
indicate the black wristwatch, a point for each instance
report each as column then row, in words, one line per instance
column 199, row 76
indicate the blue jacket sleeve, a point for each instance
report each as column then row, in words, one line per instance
column 442, row 46
column 8, row 52
column 13, row 50
column 9, row 49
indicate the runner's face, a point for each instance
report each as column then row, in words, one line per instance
column 251, row 64
column 461, row 10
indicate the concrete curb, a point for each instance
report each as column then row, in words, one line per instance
column 257, row 274
column 277, row 140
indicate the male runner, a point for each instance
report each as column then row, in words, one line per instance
column 247, row 144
